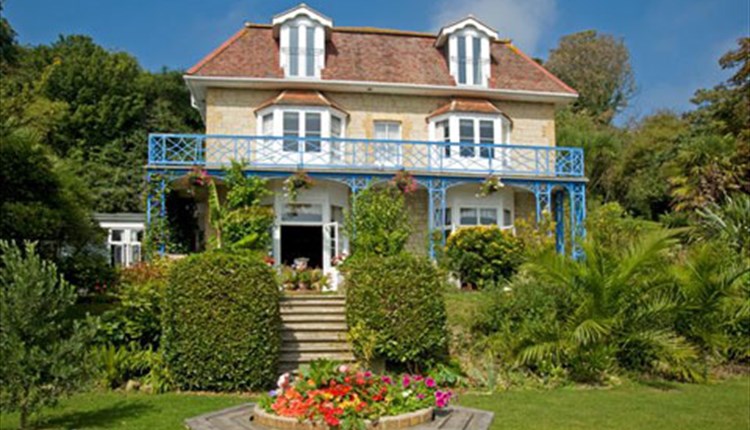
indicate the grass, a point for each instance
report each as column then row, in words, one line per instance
column 133, row 411
column 720, row 406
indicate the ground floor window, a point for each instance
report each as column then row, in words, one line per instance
column 125, row 246
column 477, row 216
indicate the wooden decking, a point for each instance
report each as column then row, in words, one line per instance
column 239, row 418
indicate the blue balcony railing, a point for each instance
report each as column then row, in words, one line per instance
column 352, row 154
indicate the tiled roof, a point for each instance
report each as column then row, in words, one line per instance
column 466, row 105
column 375, row 55
column 299, row 97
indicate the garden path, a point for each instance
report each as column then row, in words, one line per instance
column 239, row 418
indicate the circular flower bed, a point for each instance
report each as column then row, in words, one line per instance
column 342, row 396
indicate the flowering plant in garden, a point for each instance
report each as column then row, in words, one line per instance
column 405, row 182
column 490, row 185
column 344, row 396
column 300, row 180
column 338, row 259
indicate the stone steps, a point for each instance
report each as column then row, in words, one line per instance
column 313, row 327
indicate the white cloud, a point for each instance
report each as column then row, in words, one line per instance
column 524, row 21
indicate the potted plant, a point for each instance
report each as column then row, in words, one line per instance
column 490, row 185
column 318, row 281
column 304, row 279
column 405, row 182
column 289, row 278
column 300, row 180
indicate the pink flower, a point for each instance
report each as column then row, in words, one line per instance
column 418, row 378
column 283, row 381
column 406, row 381
column 343, row 368
column 387, row 379
column 429, row 382
column 368, row 374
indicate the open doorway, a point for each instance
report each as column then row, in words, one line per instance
column 302, row 242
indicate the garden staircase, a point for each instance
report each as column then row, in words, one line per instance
column 312, row 327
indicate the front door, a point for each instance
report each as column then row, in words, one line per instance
column 302, row 242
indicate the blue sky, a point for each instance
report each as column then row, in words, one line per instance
column 674, row 44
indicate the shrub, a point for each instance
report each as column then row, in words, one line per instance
column 221, row 322
column 41, row 348
column 483, row 255
column 136, row 317
column 399, row 300
column 378, row 222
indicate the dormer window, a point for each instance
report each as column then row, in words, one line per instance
column 467, row 46
column 302, row 34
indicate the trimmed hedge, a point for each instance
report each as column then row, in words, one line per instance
column 395, row 308
column 221, row 323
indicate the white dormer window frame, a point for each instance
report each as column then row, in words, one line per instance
column 468, row 50
column 302, row 39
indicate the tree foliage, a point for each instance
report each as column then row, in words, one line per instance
column 94, row 108
column 42, row 351
column 598, row 67
column 378, row 222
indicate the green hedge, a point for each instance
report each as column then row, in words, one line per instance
column 395, row 308
column 221, row 323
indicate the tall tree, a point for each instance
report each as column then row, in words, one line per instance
column 598, row 67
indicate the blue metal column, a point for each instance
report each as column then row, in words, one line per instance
column 543, row 196
column 559, row 210
column 577, row 217
column 436, row 211
column 163, row 215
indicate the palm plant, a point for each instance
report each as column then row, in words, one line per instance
column 623, row 317
column 713, row 291
column 729, row 222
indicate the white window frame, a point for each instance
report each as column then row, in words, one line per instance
column 132, row 249
column 472, row 35
column 501, row 132
column 333, row 149
column 302, row 23
column 388, row 154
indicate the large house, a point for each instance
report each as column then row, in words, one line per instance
column 351, row 105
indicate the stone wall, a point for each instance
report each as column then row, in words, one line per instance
column 232, row 111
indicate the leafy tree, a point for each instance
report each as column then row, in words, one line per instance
column 40, row 199
column 42, row 350
column 637, row 178
column 602, row 145
column 378, row 222
column 598, row 67
column 95, row 108
column 8, row 46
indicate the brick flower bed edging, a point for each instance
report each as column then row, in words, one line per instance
column 395, row 422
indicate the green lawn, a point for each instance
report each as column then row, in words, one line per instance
column 133, row 411
column 719, row 406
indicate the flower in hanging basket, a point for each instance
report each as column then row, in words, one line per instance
column 405, row 182
column 490, row 185
column 198, row 177
column 300, row 180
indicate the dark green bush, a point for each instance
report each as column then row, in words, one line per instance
column 221, row 323
column 395, row 309
column 483, row 255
